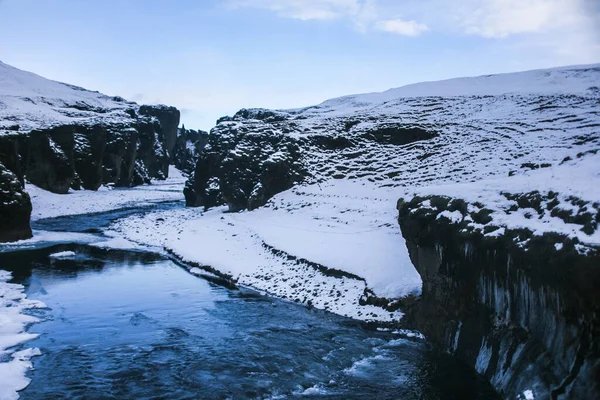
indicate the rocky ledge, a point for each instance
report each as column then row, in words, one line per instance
column 519, row 306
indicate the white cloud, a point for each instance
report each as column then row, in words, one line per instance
column 502, row 18
column 363, row 14
column 401, row 27
column 306, row 9
column 562, row 27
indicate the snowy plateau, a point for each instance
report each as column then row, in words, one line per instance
column 486, row 157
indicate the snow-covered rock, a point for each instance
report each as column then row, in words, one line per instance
column 60, row 136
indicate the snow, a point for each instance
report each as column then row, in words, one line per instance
column 528, row 395
column 343, row 225
column 561, row 80
column 334, row 225
column 579, row 178
column 117, row 243
column 48, row 205
column 62, row 254
column 34, row 102
column 43, row 239
column 13, row 322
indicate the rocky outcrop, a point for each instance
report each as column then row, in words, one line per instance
column 522, row 309
column 15, row 208
column 127, row 152
column 244, row 167
column 168, row 118
column 188, row 147
column 258, row 153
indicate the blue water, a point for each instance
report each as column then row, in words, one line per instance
column 136, row 326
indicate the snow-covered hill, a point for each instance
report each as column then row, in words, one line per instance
column 34, row 102
column 580, row 80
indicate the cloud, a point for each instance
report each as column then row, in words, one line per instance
column 400, row 27
column 364, row 15
column 562, row 27
column 305, row 9
column 502, row 18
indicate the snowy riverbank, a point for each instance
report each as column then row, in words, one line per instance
column 319, row 245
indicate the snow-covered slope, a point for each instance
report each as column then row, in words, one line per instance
column 34, row 102
column 579, row 80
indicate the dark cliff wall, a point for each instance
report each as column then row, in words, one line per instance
column 15, row 208
column 188, row 146
column 243, row 167
column 257, row 153
column 169, row 122
column 524, row 317
column 124, row 153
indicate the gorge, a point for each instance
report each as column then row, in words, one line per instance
column 465, row 211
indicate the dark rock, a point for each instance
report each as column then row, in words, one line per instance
column 329, row 142
column 10, row 155
column 119, row 156
column 15, row 208
column 260, row 114
column 224, row 119
column 49, row 158
column 90, row 144
column 188, row 146
column 398, row 134
column 153, row 157
column 126, row 153
column 525, row 317
column 242, row 169
column 169, row 122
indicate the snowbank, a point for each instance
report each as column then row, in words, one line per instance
column 286, row 248
column 48, row 205
column 13, row 322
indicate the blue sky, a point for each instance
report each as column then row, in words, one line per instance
column 212, row 57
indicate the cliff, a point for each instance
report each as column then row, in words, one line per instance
column 520, row 307
column 61, row 137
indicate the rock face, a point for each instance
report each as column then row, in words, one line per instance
column 169, row 122
column 79, row 156
column 258, row 153
column 243, row 167
column 15, row 208
column 188, row 146
column 522, row 309
column 61, row 137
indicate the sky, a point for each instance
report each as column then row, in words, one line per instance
column 210, row 58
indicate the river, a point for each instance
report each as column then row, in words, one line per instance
column 136, row 325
